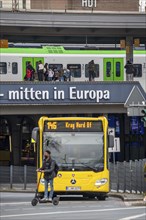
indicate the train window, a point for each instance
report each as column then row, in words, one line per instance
column 108, row 69
column 3, row 68
column 137, row 70
column 96, row 70
column 118, row 69
column 14, row 68
column 57, row 67
column 75, row 70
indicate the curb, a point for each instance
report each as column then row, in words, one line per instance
column 132, row 201
column 17, row 190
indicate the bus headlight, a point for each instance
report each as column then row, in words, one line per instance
column 101, row 182
column 42, row 181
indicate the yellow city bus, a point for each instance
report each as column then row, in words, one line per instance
column 79, row 145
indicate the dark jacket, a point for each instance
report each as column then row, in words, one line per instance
column 30, row 67
column 91, row 66
column 49, row 169
column 129, row 68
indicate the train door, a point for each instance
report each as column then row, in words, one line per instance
column 113, row 69
column 34, row 61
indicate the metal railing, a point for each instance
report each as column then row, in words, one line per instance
column 17, row 176
column 124, row 176
column 128, row 176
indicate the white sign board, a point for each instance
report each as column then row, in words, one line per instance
column 116, row 147
column 89, row 3
column 111, row 131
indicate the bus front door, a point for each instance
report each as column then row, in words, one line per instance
column 113, row 69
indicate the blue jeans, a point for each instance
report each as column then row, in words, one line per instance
column 46, row 189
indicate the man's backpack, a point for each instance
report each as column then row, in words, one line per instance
column 56, row 168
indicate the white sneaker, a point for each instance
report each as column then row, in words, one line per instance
column 44, row 199
column 50, row 199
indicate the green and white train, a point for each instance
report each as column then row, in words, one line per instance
column 109, row 63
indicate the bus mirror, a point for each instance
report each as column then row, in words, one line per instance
column 110, row 141
column 34, row 135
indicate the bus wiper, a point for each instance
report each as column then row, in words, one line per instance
column 92, row 168
column 87, row 166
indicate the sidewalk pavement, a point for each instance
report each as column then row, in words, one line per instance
column 130, row 199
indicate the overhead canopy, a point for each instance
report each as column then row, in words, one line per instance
column 72, row 27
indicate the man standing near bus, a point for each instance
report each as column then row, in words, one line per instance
column 49, row 174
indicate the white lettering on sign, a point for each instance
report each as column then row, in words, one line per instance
column 58, row 94
column 28, row 94
column 88, row 94
column 89, row 3
column 74, row 94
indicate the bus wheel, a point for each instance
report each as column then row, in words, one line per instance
column 101, row 198
column 91, row 196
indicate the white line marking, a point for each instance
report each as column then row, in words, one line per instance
column 133, row 217
column 15, row 203
column 1, row 94
column 68, row 212
column 12, row 209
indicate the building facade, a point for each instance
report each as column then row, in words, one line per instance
column 79, row 5
column 22, row 104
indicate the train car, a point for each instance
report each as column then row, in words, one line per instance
column 109, row 63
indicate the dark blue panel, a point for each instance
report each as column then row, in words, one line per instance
column 65, row 93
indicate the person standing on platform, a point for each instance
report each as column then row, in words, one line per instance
column 40, row 71
column 91, row 69
column 129, row 71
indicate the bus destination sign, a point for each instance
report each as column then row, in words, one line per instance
column 72, row 126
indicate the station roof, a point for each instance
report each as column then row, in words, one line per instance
column 72, row 27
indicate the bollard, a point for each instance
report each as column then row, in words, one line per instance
column 141, row 175
column 130, row 168
column 124, row 177
column 136, row 176
column 11, row 176
column 144, row 190
column 117, row 176
column 25, row 176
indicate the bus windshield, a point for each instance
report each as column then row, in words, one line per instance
column 76, row 150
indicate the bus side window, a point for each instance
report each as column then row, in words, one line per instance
column 3, row 68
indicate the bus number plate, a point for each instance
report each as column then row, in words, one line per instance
column 71, row 188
